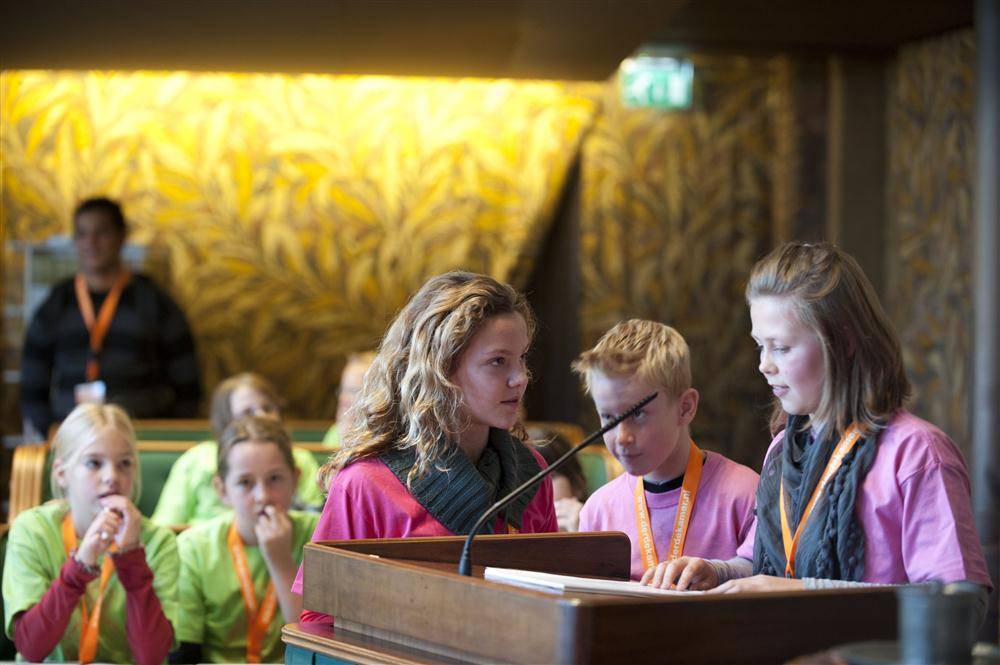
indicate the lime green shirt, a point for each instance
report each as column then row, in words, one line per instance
column 211, row 605
column 35, row 553
column 188, row 496
column 332, row 437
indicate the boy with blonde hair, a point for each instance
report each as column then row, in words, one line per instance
column 674, row 500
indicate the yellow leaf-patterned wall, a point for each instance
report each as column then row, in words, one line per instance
column 296, row 213
column 932, row 162
column 676, row 209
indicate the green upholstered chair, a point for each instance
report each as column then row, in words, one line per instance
column 305, row 431
column 599, row 466
column 29, row 483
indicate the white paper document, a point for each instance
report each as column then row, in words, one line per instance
column 571, row 584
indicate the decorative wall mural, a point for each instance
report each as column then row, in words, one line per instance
column 676, row 209
column 931, row 171
column 297, row 213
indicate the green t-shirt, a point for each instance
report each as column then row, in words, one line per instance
column 332, row 437
column 188, row 496
column 35, row 553
column 211, row 605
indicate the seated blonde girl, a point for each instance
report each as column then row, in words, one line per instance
column 188, row 496
column 252, row 552
column 86, row 576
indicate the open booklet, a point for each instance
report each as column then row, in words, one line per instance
column 571, row 584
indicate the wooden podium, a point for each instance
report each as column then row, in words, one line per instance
column 401, row 601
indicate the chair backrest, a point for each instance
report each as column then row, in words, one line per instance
column 28, row 478
column 201, row 429
column 32, row 466
column 155, row 461
column 320, row 452
column 599, row 466
column 29, row 483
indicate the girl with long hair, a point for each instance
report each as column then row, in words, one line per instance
column 86, row 576
column 854, row 488
column 436, row 436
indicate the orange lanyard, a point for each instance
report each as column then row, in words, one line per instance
column 685, row 505
column 791, row 543
column 89, row 621
column 98, row 328
column 258, row 618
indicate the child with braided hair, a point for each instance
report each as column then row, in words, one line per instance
column 854, row 489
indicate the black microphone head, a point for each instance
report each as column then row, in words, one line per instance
column 638, row 405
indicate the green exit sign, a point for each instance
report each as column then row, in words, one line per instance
column 656, row 82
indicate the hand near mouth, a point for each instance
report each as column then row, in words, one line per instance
column 274, row 534
column 126, row 534
column 98, row 537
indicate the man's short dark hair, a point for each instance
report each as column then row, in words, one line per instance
column 106, row 206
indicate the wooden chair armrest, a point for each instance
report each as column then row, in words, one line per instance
column 27, row 478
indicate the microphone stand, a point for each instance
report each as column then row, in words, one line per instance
column 465, row 562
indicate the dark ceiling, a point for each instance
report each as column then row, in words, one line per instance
column 563, row 39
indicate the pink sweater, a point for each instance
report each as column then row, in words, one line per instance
column 723, row 512
column 366, row 500
column 915, row 509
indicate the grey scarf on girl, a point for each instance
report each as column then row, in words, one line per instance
column 460, row 493
column 832, row 545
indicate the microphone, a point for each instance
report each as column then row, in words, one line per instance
column 465, row 562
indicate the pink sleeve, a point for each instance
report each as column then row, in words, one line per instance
column 38, row 630
column 308, row 616
column 586, row 523
column 340, row 521
column 149, row 633
column 540, row 513
column 745, row 549
column 747, row 522
column 939, row 541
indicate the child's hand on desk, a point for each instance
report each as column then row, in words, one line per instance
column 760, row 583
column 682, row 574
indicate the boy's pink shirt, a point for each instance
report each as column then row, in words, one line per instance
column 915, row 509
column 723, row 512
column 366, row 500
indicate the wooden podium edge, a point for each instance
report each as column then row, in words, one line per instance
column 357, row 647
column 759, row 627
column 395, row 600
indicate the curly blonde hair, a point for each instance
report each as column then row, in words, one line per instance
column 408, row 399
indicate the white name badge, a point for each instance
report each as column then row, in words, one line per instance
column 93, row 392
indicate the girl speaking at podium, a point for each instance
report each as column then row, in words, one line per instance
column 437, row 438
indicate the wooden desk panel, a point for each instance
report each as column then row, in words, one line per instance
column 434, row 610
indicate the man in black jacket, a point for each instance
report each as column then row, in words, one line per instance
column 107, row 334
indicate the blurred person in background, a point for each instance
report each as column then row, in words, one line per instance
column 106, row 335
